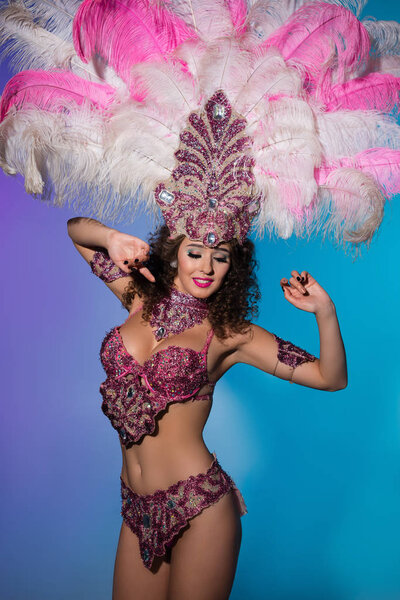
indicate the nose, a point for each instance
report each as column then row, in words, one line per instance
column 207, row 265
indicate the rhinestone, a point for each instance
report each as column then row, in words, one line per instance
column 146, row 521
column 166, row 196
column 147, row 405
column 211, row 238
column 212, row 202
column 146, row 554
column 219, row 112
column 170, row 504
column 160, row 331
column 122, row 433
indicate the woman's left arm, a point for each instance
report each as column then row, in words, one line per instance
column 267, row 352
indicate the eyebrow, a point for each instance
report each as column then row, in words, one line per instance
column 202, row 248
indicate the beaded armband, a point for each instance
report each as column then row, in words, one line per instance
column 102, row 266
column 291, row 355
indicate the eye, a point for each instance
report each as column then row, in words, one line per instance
column 221, row 259
column 193, row 255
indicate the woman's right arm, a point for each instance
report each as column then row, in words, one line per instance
column 125, row 251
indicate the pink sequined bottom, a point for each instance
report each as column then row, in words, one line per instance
column 157, row 518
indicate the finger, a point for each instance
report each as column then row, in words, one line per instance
column 295, row 282
column 146, row 273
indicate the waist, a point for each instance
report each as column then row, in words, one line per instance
column 149, row 467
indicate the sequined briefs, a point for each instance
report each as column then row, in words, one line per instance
column 157, row 518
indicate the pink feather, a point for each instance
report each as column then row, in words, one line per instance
column 322, row 38
column 126, row 32
column 238, row 11
column 378, row 91
column 52, row 91
column 382, row 163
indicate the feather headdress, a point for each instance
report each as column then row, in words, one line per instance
column 110, row 91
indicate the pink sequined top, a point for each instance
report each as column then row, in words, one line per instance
column 135, row 394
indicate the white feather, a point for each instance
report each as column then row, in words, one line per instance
column 54, row 15
column 225, row 65
column 268, row 76
column 350, row 206
column 385, row 36
column 210, row 18
column 345, row 133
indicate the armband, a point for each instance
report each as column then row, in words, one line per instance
column 291, row 355
column 102, row 266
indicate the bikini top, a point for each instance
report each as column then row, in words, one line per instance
column 134, row 394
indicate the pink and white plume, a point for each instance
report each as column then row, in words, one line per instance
column 103, row 89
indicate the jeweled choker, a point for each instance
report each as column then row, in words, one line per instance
column 176, row 313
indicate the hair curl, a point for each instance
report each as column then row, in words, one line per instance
column 229, row 307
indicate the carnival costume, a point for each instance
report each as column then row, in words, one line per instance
column 218, row 115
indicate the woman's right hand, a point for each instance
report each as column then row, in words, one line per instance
column 129, row 252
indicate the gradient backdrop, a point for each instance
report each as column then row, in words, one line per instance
column 320, row 472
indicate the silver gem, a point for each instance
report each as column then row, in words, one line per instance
column 166, row 196
column 147, row 405
column 212, row 202
column 160, row 331
column 211, row 238
column 219, row 112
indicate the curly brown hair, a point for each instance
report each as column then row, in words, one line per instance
column 229, row 307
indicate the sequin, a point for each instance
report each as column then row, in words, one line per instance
column 218, row 112
column 166, row 196
column 177, row 312
column 212, row 202
column 211, row 238
column 159, row 517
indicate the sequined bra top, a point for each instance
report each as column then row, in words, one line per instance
column 134, row 394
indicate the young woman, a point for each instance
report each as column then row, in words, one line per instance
column 188, row 324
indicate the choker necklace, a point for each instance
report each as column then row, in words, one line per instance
column 176, row 313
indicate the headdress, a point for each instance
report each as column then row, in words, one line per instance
column 222, row 113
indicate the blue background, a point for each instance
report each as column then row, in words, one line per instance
column 319, row 471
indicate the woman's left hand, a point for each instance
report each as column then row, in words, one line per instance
column 305, row 293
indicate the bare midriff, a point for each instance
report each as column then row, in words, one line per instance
column 175, row 451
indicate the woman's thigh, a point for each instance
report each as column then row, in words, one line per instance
column 204, row 559
column 132, row 581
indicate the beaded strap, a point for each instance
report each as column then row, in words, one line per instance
column 291, row 355
column 102, row 266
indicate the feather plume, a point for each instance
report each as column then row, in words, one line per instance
column 268, row 77
column 349, row 206
column 323, row 40
column 383, row 164
column 53, row 91
column 347, row 132
column 225, row 65
column 166, row 85
column 378, row 91
column 211, row 19
column 54, row 15
column 28, row 45
column 127, row 32
column 385, row 36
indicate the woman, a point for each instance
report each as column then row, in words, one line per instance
column 196, row 557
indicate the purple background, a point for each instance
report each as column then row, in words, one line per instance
column 319, row 471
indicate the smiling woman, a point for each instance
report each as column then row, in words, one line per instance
column 217, row 116
column 186, row 327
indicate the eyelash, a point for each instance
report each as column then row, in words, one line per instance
column 219, row 259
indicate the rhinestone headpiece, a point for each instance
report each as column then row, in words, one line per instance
column 211, row 194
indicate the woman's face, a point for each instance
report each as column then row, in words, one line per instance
column 201, row 270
